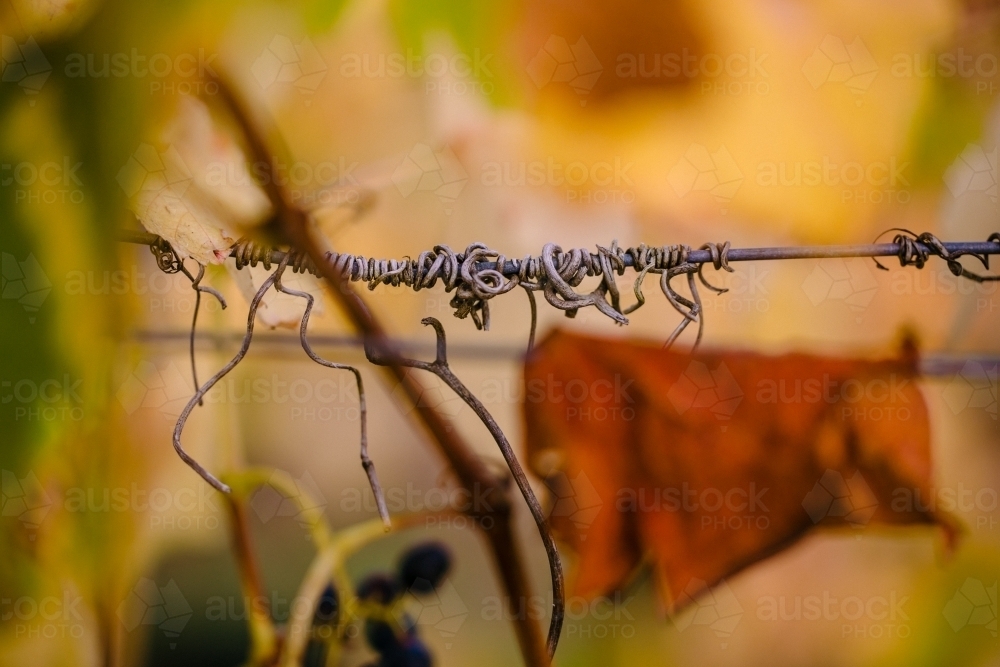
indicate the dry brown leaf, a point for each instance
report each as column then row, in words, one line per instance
column 707, row 464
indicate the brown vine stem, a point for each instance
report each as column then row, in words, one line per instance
column 471, row 471
column 440, row 368
column 366, row 462
column 264, row 645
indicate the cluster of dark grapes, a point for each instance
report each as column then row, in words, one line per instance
column 420, row 571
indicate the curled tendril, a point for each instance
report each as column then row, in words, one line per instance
column 275, row 280
column 442, row 370
column 198, row 289
column 366, row 462
column 166, row 259
column 915, row 249
column 480, row 273
column 200, row 394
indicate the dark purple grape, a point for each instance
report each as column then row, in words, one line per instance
column 423, row 567
column 381, row 637
column 380, row 588
column 417, row 654
column 384, row 638
column 328, row 607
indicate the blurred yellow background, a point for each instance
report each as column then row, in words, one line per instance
column 410, row 124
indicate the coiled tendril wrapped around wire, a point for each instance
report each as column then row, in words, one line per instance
column 481, row 273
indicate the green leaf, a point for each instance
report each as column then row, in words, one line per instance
column 479, row 29
column 951, row 117
column 321, row 15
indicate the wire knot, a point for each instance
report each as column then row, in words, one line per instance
column 914, row 249
column 166, row 259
